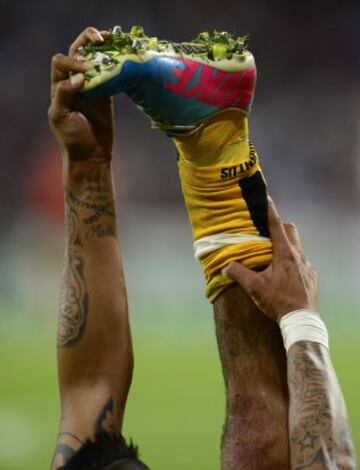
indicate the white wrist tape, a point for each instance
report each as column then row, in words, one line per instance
column 303, row 325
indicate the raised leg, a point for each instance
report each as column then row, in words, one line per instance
column 253, row 359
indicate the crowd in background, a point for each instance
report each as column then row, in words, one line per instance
column 305, row 121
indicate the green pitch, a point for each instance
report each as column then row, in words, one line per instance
column 176, row 406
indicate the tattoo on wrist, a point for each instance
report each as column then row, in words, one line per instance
column 97, row 203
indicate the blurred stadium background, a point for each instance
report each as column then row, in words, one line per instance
column 307, row 130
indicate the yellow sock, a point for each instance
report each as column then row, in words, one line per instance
column 226, row 198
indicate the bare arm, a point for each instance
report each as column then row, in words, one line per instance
column 320, row 436
column 94, row 343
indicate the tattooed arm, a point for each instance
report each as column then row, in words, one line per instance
column 320, row 436
column 94, row 343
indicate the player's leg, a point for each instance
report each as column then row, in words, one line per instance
column 227, row 203
column 226, row 199
column 254, row 367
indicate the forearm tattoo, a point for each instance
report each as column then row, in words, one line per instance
column 320, row 435
column 74, row 298
column 90, row 214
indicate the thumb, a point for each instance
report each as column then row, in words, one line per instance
column 244, row 276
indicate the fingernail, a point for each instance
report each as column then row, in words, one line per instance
column 269, row 198
column 224, row 271
column 76, row 80
column 99, row 37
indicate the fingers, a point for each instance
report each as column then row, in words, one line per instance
column 63, row 88
column 64, row 95
column 278, row 235
column 247, row 278
column 61, row 66
column 293, row 237
column 90, row 34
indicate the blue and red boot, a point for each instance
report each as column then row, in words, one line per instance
column 178, row 85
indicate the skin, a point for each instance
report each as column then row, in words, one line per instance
column 254, row 368
column 319, row 431
column 95, row 358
